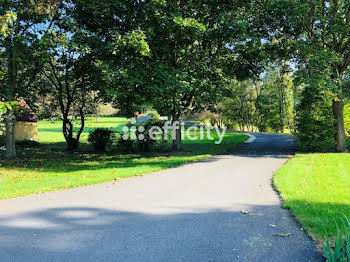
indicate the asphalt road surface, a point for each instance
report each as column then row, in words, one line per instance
column 188, row 213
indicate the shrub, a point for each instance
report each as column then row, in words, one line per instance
column 146, row 144
column 101, row 138
column 142, row 141
column 315, row 122
column 125, row 145
column 341, row 250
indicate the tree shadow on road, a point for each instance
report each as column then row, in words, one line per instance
column 177, row 234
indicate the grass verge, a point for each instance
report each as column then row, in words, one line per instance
column 316, row 188
column 49, row 167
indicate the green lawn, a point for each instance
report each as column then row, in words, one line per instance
column 316, row 188
column 50, row 167
column 52, row 132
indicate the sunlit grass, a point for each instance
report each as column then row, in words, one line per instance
column 50, row 167
column 51, row 132
column 316, row 188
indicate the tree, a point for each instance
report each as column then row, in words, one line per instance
column 22, row 25
column 315, row 119
column 266, row 103
column 239, row 108
column 318, row 34
column 73, row 72
column 275, row 100
column 176, row 55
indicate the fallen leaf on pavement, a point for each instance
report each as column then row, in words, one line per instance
column 282, row 235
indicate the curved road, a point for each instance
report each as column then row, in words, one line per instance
column 188, row 213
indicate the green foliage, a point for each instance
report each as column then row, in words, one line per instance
column 140, row 140
column 146, row 144
column 101, row 138
column 270, row 117
column 8, row 106
column 4, row 108
column 341, row 250
column 133, row 42
column 239, row 107
column 267, row 104
column 318, row 40
column 23, row 29
column 315, row 122
column 275, row 102
column 347, row 118
column 6, row 23
column 173, row 56
column 126, row 145
column 207, row 117
column 315, row 118
column 71, row 63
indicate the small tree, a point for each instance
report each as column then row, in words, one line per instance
column 73, row 81
column 74, row 75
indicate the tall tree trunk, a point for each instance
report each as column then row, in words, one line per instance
column 68, row 131
column 338, row 108
column 282, row 127
column 10, row 121
column 177, row 142
column 10, row 139
column 72, row 143
column 10, row 118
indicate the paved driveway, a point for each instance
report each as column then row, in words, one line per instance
column 189, row 213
